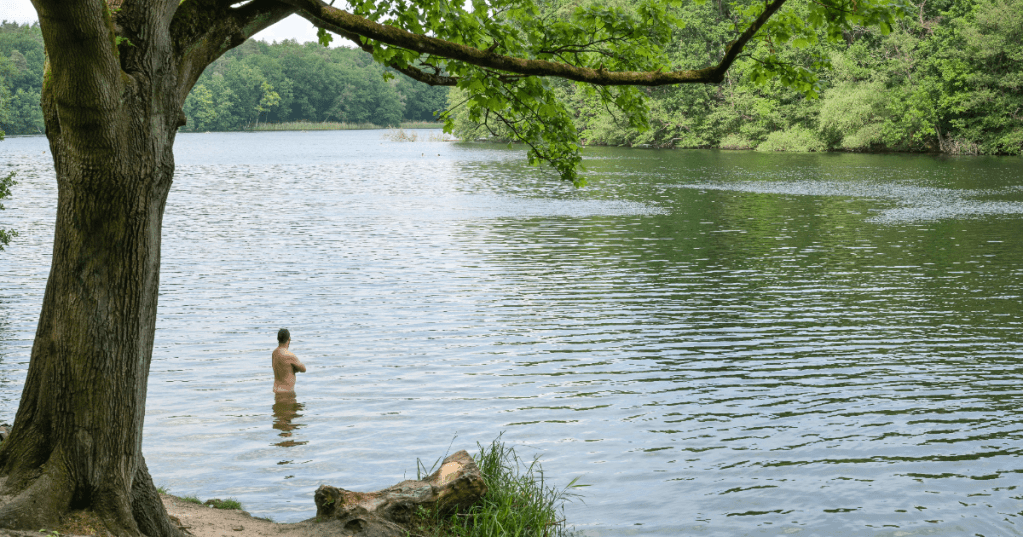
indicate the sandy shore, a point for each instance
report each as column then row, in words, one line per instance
column 199, row 521
column 203, row 521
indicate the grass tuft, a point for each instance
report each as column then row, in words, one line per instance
column 518, row 501
column 192, row 499
column 229, row 503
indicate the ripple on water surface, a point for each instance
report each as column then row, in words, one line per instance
column 716, row 343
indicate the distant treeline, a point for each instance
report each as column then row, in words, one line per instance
column 290, row 82
column 21, row 78
column 948, row 78
column 254, row 83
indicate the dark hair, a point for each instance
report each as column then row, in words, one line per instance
column 283, row 335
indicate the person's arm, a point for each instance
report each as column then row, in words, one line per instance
column 298, row 366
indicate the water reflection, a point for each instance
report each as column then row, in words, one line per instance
column 286, row 409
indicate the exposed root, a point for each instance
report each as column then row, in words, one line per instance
column 38, row 506
column 150, row 514
column 47, row 503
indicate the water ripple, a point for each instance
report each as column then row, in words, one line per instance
column 716, row 343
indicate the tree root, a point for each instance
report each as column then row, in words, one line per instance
column 38, row 506
column 49, row 498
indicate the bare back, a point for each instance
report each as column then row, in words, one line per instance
column 285, row 365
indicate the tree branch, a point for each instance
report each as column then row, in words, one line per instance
column 414, row 73
column 334, row 19
column 203, row 30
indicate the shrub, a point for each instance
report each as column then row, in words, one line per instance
column 794, row 139
column 735, row 141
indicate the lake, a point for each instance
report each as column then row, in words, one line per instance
column 716, row 343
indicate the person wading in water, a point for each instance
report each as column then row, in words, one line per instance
column 285, row 364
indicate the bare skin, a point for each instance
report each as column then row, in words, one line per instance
column 285, row 365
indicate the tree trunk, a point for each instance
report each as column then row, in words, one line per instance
column 116, row 78
column 77, row 437
column 111, row 116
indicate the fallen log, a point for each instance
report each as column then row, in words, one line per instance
column 456, row 484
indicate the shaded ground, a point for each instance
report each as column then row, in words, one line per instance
column 201, row 521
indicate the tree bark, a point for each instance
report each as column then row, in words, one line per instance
column 115, row 83
column 456, row 484
column 77, row 437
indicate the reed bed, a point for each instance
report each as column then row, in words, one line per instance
column 402, row 135
column 336, row 126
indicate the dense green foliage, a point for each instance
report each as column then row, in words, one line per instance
column 948, row 77
column 21, row 78
column 254, row 83
column 288, row 82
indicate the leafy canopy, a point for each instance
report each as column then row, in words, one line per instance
column 601, row 37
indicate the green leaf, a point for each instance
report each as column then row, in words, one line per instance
column 324, row 37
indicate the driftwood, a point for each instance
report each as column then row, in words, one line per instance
column 458, row 483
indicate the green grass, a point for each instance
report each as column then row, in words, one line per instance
column 161, row 490
column 337, row 126
column 215, row 503
column 518, row 502
column 229, row 503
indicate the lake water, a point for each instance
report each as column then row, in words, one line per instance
column 717, row 343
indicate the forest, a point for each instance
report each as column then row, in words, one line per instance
column 948, row 78
column 251, row 84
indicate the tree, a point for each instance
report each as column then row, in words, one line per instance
column 21, row 49
column 116, row 80
column 268, row 100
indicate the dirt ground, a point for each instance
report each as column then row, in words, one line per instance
column 203, row 521
column 199, row 521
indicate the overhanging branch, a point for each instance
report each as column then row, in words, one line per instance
column 203, row 30
column 343, row 22
column 412, row 72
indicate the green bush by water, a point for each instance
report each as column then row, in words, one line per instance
column 795, row 139
column 518, row 501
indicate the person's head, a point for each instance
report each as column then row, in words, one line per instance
column 283, row 336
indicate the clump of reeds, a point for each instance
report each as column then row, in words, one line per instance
column 442, row 137
column 337, row 126
column 313, row 126
column 401, row 135
column 518, row 501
